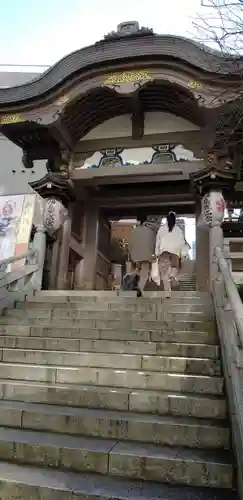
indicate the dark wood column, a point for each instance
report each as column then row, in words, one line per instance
column 54, row 261
column 202, row 254
column 85, row 273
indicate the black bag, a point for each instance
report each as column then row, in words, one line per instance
column 130, row 282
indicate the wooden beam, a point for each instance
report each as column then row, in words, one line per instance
column 61, row 134
column 140, row 200
column 178, row 171
column 192, row 140
column 137, row 118
column 159, row 209
column 77, row 247
column 167, row 190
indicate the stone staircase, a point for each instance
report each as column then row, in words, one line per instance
column 188, row 283
column 187, row 280
column 113, row 397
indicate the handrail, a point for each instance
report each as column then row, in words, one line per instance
column 232, row 292
column 16, row 258
column 229, row 317
column 16, row 284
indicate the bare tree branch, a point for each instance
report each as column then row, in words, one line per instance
column 220, row 25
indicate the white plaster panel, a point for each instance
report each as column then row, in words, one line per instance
column 12, row 171
column 120, row 126
column 155, row 122
column 92, row 160
column 137, row 155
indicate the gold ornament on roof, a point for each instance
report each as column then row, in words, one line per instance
column 195, row 85
column 61, row 100
column 128, row 77
column 7, row 119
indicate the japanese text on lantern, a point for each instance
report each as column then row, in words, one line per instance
column 128, row 77
column 220, row 205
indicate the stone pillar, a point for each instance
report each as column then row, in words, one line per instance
column 213, row 207
column 202, row 254
column 85, row 272
column 39, row 243
column 64, row 249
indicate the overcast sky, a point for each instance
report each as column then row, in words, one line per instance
column 43, row 31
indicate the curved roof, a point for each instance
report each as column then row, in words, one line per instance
column 136, row 46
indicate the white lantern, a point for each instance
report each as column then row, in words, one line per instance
column 213, row 207
column 54, row 215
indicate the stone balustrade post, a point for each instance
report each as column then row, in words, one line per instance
column 213, row 207
column 39, row 243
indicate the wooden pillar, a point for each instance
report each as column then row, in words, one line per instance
column 202, row 254
column 54, row 262
column 85, row 272
column 62, row 273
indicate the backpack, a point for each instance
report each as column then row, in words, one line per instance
column 130, row 282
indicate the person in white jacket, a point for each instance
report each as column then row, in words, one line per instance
column 170, row 242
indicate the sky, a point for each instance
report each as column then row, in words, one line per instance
column 43, row 31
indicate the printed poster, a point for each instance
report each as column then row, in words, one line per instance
column 16, row 216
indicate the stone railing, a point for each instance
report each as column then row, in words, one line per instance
column 16, row 284
column 233, row 247
column 229, row 316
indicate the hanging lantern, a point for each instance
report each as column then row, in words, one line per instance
column 54, row 215
column 213, row 207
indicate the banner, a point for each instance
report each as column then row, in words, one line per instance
column 24, row 230
column 16, row 215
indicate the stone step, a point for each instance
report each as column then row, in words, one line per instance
column 76, row 295
column 172, row 465
column 168, row 333
column 19, row 482
column 187, row 287
column 142, row 461
column 139, row 306
column 110, row 424
column 115, row 398
column 130, row 298
column 187, row 278
column 111, row 377
column 190, row 280
column 108, row 315
column 166, row 324
column 169, row 364
column 111, row 346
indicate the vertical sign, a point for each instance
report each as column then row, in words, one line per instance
column 25, row 225
column 16, row 215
